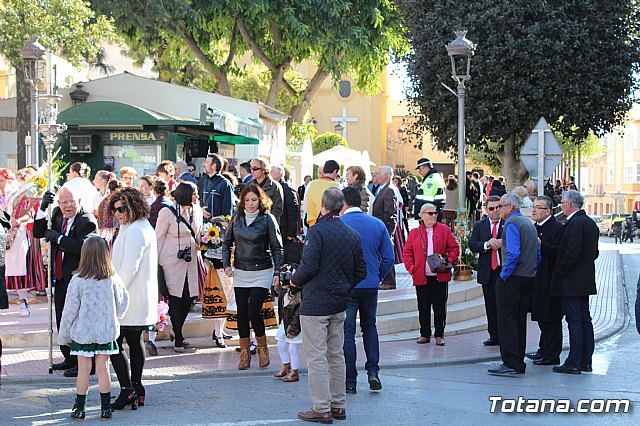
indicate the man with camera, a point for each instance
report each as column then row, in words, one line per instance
column 379, row 256
column 332, row 265
column 70, row 226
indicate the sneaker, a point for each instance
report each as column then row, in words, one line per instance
column 24, row 308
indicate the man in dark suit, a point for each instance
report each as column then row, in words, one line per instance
column 574, row 279
column 486, row 240
column 290, row 222
column 385, row 208
column 546, row 309
column 70, row 226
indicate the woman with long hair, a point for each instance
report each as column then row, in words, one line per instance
column 105, row 217
column 258, row 256
column 178, row 228
column 135, row 259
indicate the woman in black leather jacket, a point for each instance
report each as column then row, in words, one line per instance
column 258, row 257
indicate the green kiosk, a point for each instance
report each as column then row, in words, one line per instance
column 116, row 134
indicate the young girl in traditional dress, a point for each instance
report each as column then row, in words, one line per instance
column 289, row 334
column 96, row 298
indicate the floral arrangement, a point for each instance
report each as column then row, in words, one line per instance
column 40, row 178
column 462, row 234
column 163, row 315
column 213, row 235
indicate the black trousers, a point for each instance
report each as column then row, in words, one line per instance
column 489, row 292
column 178, row 310
column 59, row 296
column 137, row 358
column 513, row 298
column 434, row 294
column 550, row 339
column 249, row 301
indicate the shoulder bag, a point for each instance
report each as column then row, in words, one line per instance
column 437, row 263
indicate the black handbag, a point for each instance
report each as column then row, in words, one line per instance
column 163, row 290
column 437, row 263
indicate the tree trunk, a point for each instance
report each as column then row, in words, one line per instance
column 23, row 115
column 298, row 111
column 512, row 168
column 222, row 83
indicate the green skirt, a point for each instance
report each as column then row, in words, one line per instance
column 90, row 349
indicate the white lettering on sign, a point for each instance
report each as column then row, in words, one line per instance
column 132, row 136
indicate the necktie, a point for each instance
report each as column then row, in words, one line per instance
column 494, row 253
column 58, row 265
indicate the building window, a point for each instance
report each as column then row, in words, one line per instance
column 630, row 137
column 608, row 138
column 629, row 174
column 608, row 208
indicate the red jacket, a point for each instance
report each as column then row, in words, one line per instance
column 414, row 255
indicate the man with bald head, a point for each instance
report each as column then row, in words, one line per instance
column 70, row 226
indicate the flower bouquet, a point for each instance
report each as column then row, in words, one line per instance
column 467, row 259
column 213, row 235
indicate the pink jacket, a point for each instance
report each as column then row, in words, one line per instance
column 414, row 255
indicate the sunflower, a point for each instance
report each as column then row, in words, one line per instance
column 213, row 232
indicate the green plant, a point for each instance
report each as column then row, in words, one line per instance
column 324, row 142
column 462, row 234
column 403, row 173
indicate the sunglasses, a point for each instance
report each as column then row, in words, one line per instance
column 430, row 213
column 191, row 170
column 493, row 208
column 120, row 209
column 255, row 169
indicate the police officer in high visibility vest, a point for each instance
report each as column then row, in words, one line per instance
column 432, row 188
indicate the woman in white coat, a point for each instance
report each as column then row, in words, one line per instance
column 178, row 229
column 135, row 258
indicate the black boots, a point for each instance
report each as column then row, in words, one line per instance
column 77, row 412
column 105, row 406
column 127, row 396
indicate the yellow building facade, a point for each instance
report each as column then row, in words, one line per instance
column 612, row 182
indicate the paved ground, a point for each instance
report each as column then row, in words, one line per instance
column 31, row 365
column 450, row 394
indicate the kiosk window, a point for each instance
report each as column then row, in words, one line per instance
column 143, row 158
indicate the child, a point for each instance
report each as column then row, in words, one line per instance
column 96, row 298
column 289, row 333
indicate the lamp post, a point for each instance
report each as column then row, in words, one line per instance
column 32, row 55
column 339, row 128
column 460, row 51
column 50, row 129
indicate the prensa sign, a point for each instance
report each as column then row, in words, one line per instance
column 132, row 136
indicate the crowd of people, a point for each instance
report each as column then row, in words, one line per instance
column 122, row 245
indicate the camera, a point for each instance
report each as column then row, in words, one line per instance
column 285, row 276
column 185, row 254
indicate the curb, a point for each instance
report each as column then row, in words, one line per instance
column 619, row 325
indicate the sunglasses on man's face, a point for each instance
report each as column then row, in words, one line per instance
column 493, row 208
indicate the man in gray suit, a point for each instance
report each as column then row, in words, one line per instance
column 385, row 208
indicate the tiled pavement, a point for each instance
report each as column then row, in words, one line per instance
column 25, row 365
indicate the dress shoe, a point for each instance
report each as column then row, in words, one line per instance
column 440, row 341
column 151, row 348
column 339, row 413
column 543, row 361
column 586, row 368
column 534, row 356
column 374, row 382
column 313, row 416
column 566, row 370
column 64, row 365
column 387, row 287
column 504, row 370
column 490, row 342
column 71, row 372
column 422, row 340
column 352, row 390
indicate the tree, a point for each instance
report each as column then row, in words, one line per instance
column 573, row 62
column 341, row 37
column 68, row 28
column 324, row 142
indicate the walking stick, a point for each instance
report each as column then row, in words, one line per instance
column 50, row 130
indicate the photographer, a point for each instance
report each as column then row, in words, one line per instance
column 178, row 230
column 255, row 237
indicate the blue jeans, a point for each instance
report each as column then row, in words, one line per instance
column 364, row 300
column 581, row 339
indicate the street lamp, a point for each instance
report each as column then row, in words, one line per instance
column 32, row 55
column 50, row 129
column 460, row 51
column 339, row 128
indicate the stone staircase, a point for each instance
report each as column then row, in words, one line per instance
column 397, row 316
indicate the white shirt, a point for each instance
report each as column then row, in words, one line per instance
column 497, row 225
column 429, row 251
column 544, row 221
